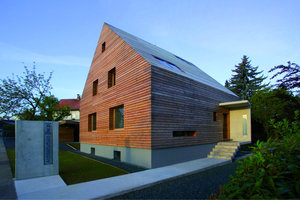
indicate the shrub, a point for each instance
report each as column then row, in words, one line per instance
column 273, row 171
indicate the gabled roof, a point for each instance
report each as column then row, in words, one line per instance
column 73, row 103
column 156, row 57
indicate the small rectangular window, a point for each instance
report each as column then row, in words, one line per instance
column 184, row 133
column 92, row 150
column 92, row 120
column 116, row 117
column 117, row 155
column 95, row 87
column 112, row 77
column 103, row 47
column 244, row 125
column 215, row 117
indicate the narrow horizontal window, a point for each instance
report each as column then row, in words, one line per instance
column 112, row 77
column 116, row 117
column 168, row 64
column 183, row 133
column 92, row 121
column 95, row 87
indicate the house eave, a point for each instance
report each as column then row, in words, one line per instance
column 236, row 104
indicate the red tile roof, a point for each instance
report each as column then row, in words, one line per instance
column 73, row 103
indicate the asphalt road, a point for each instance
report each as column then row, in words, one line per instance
column 196, row 186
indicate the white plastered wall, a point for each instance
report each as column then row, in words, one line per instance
column 240, row 124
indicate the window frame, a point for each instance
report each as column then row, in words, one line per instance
column 103, row 47
column 111, row 80
column 215, row 116
column 95, row 87
column 92, row 122
column 184, row 133
column 112, row 117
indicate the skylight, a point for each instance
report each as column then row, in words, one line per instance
column 183, row 60
column 165, row 63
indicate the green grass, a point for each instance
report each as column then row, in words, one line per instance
column 75, row 145
column 74, row 168
column 11, row 157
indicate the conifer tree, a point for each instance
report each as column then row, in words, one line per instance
column 246, row 80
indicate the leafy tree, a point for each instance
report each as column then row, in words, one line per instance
column 246, row 80
column 49, row 110
column 291, row 79
column 28, row 97
column 270, row 104
column 24, row 94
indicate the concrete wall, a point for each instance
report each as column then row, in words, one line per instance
column 169, row 156
column 237, row 124
column 135, row 156
column 30, row 150
column 148, row 158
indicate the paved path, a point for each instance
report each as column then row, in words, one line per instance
column 7, row 188
column 197, row 186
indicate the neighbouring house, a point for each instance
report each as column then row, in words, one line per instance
column 146, row 106
column 69, row 127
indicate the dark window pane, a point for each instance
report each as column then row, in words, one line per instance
column 183, row 133
column 119, row 117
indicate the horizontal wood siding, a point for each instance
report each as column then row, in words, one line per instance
column 181, row 104
column 132, row 89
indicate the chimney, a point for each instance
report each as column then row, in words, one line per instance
column 78, row 96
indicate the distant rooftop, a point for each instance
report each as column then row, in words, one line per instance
column 73, row 103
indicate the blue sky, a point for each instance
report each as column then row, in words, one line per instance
column 61, row 36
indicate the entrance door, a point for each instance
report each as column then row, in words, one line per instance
column 226, row 127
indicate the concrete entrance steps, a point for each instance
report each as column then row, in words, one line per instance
column 225, row 150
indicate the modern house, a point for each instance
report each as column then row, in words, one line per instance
column 69, row 127
column 146, row 106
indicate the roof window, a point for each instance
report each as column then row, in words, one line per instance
column 168, row 64
column 183, row 60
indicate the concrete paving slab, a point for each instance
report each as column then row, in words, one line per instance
column 38, row 184
column 110, row 187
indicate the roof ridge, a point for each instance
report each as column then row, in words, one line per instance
column 151, row 52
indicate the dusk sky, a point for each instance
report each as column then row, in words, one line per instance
column 61, row 36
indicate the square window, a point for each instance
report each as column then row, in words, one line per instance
column 103, row 47
column 92, row 122
column 116, row 117
column 112, row 77
column 95, row 87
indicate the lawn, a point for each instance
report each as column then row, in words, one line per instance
column 75, row 145
column 74, row 168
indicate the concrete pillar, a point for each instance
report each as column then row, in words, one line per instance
column 36, row 149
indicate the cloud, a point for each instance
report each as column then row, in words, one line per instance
column 12, row 53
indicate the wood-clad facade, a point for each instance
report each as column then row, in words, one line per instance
column 181, row 104
column 132, row 89
column 163, row 110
